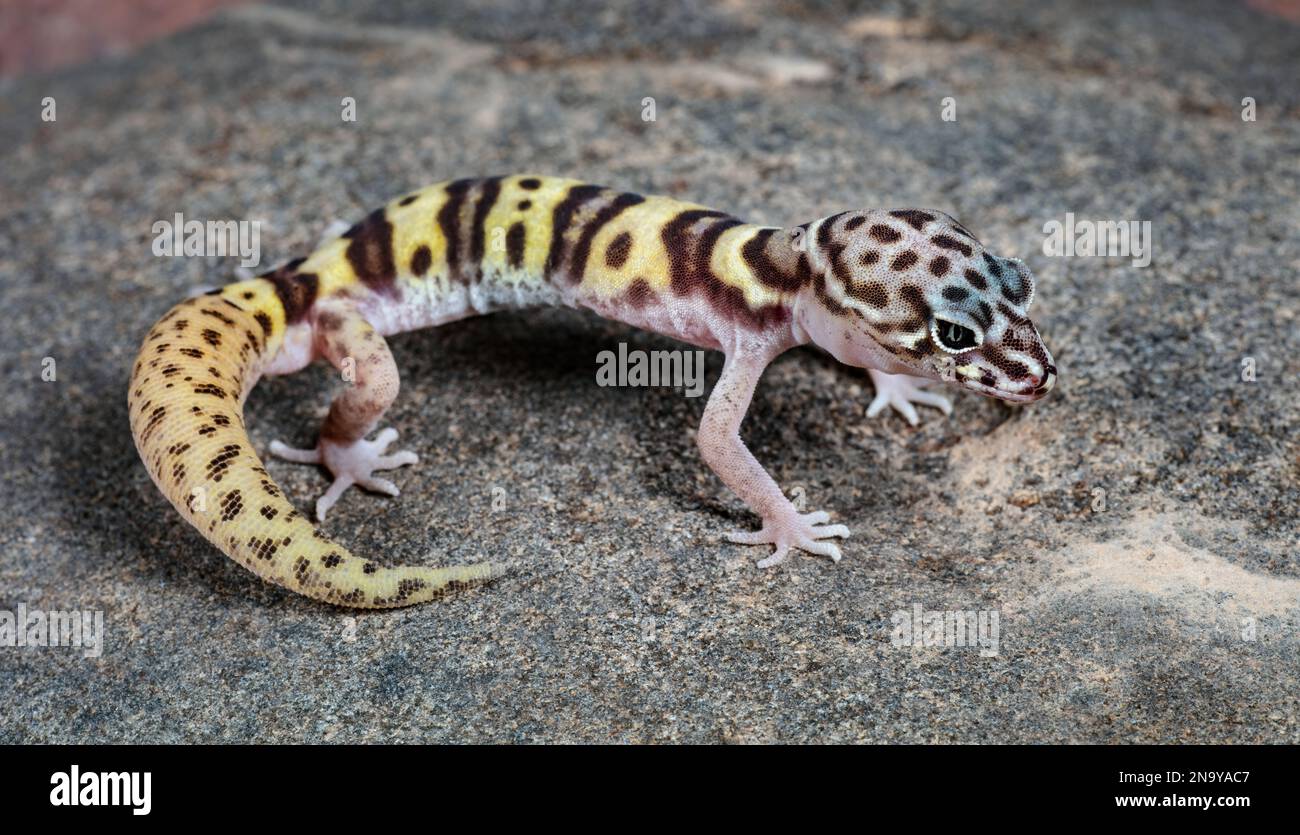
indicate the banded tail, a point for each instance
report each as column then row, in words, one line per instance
column 186, row 399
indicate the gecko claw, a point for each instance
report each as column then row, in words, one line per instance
column 350, row 463
column 803, row 531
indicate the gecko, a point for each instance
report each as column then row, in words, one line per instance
column 910, row 295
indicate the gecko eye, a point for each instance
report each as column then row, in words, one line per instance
column 953, row 337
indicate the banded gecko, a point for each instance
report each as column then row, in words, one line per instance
column 910, row 295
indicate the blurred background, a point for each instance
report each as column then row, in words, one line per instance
column 44, row 34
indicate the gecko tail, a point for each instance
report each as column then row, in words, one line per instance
column 188, row 386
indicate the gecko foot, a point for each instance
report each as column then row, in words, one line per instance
column 800, row 530
column 351, row 463
column 900, row 391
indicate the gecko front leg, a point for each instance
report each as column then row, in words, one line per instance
column 351, row 345
column 726, row 454
column 901, row 391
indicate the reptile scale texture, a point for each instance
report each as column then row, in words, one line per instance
column 908, row 294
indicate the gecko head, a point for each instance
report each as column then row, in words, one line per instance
column 911, row 291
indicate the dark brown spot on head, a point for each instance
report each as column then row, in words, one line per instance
column 884, row 234
column 873, row 293
column 976, row 280
column 955, row 294
column 949, row 242
column 1014, row 369
column 870, row 257
column 530, row 183
column 939, row 267
column 904, row 261
column 854, row 222
column 409, row 199
column 915, row 218
column 525, row 205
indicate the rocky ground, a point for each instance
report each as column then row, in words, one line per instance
column 1136, row 532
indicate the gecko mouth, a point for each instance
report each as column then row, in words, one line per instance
column 1034, row 389
column 1018, row 396
column 983, row 380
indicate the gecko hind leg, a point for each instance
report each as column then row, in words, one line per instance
column 354, row 347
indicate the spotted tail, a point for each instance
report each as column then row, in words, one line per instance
column 194, row 371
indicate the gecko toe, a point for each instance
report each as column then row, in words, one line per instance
column 778, row 557
column 391, row 462
column 331, row 496
column 379, row 485
column 298, row 456
column 822, row 549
